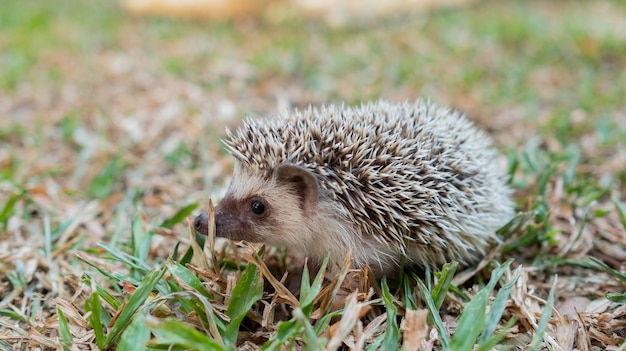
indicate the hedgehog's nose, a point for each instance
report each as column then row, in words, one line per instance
column 201, row 223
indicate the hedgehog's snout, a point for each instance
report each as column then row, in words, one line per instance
column 201, row 223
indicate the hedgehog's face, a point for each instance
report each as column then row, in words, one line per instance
column 274, row 210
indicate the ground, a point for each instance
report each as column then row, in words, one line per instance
column 109, row 143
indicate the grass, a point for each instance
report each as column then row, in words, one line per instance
column 109, row 141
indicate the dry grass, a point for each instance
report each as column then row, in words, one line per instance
column 110, row 131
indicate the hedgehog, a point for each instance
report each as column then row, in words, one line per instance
column 393, row 184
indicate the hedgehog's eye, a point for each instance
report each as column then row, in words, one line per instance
column 257, row 207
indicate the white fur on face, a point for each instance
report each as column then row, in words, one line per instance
column 284, row 226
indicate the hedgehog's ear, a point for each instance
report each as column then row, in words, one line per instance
column 303, row 182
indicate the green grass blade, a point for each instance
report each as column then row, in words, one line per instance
column 471, row 323
column 184, row 274
column 492, row 342
column 407, row 286
column 473, row 318
column 132, row 262
column 140, row 240
column 592, row 263
column 286, row 331
column 605, row 268
column 249, row 289
column 102, row 184
column 515, row 224
column 61, row 228
column 7, row 210
column 136, row 300
column 64, row 330
column 101, row 291
column 171, row 332
column 111, row 275
column 310, row 338
column 200, row 239
column 179, row 216
column 309, row 292
column 434, row 313
column 14, row 315
column 443, row 285
column 543, row 322
column 324, row 322
column 135, row 336
column 305, row 284
column 194, row 302
column 616, row 297
column 498, row 305
column 391, row 337
column 93, row 305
